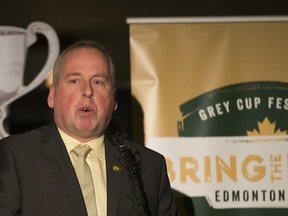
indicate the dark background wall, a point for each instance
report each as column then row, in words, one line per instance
column 104, row 21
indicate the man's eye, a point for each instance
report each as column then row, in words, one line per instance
column 73, row 81
column 99, row 83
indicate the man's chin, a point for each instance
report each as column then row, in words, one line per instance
column 89, row 129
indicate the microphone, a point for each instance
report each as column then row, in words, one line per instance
column 134, row 168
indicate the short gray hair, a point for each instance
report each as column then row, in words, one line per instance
column 83, row 44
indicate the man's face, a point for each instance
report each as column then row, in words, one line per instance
column 84, row 99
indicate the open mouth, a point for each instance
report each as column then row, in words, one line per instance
column 86, row 110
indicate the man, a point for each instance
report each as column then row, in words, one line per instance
column 38, row 169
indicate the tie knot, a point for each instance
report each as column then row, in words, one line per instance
column 82, row 151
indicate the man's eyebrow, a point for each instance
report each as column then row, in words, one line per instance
column 100, row 75
column 73, row 74
column 94, row 76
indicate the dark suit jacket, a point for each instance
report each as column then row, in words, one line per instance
column 37, row 178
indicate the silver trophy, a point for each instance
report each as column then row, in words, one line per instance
column 14, row 44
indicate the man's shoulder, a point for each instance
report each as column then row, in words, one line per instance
column 137, row 149
column 143, row 149
column 147, row 155
column 28, row 136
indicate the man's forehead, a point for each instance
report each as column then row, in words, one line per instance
column 80, row 74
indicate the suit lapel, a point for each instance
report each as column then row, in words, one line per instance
column 115, row 172
column 56, row 153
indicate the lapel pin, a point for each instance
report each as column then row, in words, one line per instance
column 116, row 168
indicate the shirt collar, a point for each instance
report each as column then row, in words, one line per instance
column 97, row 144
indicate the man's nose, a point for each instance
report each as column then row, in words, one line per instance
column 87, row 90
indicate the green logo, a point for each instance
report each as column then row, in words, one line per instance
column 254, row 108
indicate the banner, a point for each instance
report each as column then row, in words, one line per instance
column 214, row 96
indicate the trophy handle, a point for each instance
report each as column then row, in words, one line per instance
column 53, row 51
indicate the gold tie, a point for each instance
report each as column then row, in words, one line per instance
column 84, row 175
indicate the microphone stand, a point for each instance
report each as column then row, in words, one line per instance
column 133, row 167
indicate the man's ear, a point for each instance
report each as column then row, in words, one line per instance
column 50, row 99
column 115, row 99
column 115, row 105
